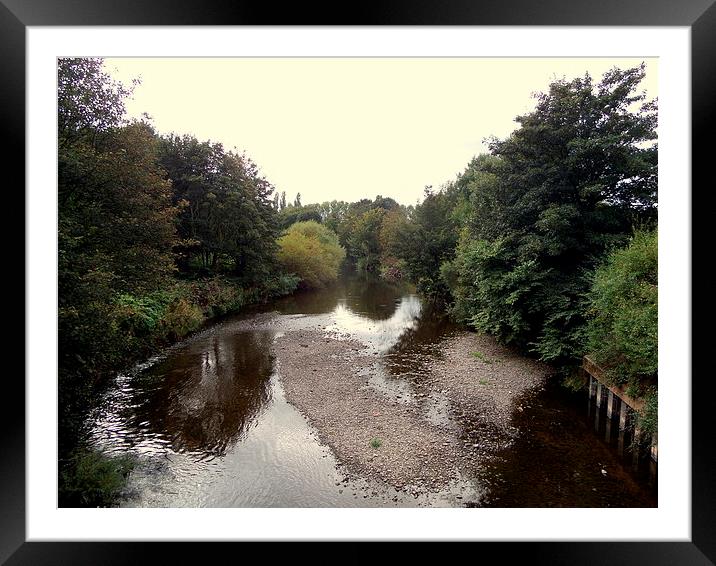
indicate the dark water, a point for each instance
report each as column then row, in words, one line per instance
column 209, row 424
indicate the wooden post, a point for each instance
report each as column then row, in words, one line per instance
column 623, row 418
column 637, row 447
column 611, row 404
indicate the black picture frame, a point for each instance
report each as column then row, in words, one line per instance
column 698, row 15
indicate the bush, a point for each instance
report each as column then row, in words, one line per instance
column 93, row 479
column 312, row 252
column 623, row 325
column 216, row 296
column 181, row 318
column 141, row 315
column 647, row 419
column 281, row 285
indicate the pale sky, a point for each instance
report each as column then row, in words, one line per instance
column 350, row 128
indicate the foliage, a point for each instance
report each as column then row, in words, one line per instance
column 292, row 214
column 623, row 311
column 428, row 240
column 376, row 442
column 647, row 420
column 88, row 100
column 115, row 216
column 542, row 209
column 91, row 478
column 227, row 219
column 364, row 242
column 312, row 252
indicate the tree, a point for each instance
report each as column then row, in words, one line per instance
column 312, row 252
column 115, row 232
column 227, row 219
column 88, row 100
column 294, row 214
column 297, row 202
column 363, row 240
column 564, row 187
column 429, row 241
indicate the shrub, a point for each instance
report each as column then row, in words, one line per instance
column 622, row 330
column 181, row 318
column 392, row 269
column 93, row 479
column 312, row 252
column 141, row 315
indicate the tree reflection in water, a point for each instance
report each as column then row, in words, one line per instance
column 205, row 396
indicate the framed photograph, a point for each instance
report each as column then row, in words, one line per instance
column 390, row 98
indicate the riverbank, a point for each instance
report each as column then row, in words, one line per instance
column 392, row 438
column 137, row 327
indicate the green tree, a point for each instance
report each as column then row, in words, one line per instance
column 227, row 220
column 429, row 240
column 363, row 240
column 567, row 185
column 115, row 217
column 311, row 251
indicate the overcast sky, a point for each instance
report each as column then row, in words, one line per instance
column 336, row 128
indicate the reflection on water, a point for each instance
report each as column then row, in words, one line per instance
column 201, row 399
column 381, row 333
column 210, row 425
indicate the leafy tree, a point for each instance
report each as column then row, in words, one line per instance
column 363, row 240
column 115, row 217
column 567, row 185
column 294, row 214
column 333, row 214
column 227, row 219
column 429, row 240
column 312, row 252
column 88, row 100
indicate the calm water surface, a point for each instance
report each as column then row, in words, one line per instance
column 210, row 426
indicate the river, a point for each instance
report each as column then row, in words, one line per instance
column 210, row 426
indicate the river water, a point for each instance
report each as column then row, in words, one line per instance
column 209, row 426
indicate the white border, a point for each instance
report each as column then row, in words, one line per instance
column 671, row 521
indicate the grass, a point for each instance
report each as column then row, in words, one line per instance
column 93, row 479
column 480, row 356
column 483, row 382
column 376, row 442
